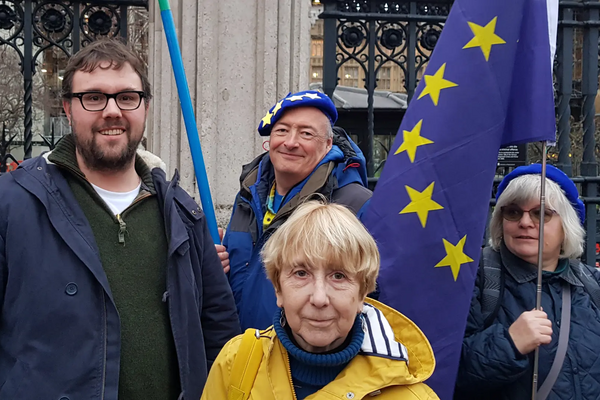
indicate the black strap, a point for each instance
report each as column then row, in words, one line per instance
column 589, row 281
column 353, row 196
column 563, row 343
column 491, row 285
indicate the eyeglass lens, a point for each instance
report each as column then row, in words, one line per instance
column 98, row 101
column 513, row 213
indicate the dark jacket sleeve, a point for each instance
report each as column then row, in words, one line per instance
column 3, row 236
column 3, row 265
column 219, row 316
column 489, row 358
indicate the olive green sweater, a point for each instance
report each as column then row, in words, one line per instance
column 133, row 251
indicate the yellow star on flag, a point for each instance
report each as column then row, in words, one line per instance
column 421, row 203
column 267, row 119
column 455, row 256
column 435, row 83
column 485, row 37
column 412, row 140
column 277, row 107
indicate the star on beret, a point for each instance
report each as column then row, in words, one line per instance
column 277, row 107
column 267, row 119
column 313, row 96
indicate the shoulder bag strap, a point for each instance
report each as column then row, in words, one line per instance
column 589, row 281
column 245, row 366
column 563, row 342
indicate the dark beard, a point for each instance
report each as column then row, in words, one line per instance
column 95, row 158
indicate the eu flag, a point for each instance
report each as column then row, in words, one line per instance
column 488, row 84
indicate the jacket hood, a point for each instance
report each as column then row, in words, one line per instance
column 390, row 334
column 353, row 167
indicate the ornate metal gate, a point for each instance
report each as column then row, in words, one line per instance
column 36, row 39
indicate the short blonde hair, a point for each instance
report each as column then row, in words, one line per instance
column 328, row 234
column 526, row 188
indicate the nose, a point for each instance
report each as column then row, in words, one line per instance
column 111, row 110
column 526, row 220
column 319, row 297
column 291, row 140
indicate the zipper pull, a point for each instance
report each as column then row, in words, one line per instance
column 122, row 229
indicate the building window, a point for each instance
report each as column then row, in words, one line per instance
column 316, row 74
column 350, row 76
column 317, row 48
column 385, row 78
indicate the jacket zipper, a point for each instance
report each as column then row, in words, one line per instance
column 122, row 224
column 289, row 370
column 122, row 229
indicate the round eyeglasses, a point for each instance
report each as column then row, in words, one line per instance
column 97, row 101
column 514, row 213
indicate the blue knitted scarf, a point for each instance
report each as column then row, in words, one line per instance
column 312, row 371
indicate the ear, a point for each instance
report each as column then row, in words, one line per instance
column 279, row 299
column 67, row 107
column 329, row 144
column 360, row 304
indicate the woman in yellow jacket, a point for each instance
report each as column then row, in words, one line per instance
column 327, row 340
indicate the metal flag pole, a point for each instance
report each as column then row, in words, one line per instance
column 189, row 119
column 538, row 299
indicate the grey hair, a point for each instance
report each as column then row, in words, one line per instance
column 526, row 188
column 329, row 130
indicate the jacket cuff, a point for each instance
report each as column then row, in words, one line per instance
column 516, row 351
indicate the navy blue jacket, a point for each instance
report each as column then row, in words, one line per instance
column 59, row 327
column 492, row 368
column 341, row 177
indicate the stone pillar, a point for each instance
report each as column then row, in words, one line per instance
column 240, row 57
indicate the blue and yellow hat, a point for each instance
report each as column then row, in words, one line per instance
column 307, row 98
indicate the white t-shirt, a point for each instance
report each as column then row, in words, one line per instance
column 118, row 201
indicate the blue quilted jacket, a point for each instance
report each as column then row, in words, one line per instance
column 492, row 368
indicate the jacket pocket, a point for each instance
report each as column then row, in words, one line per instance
column 17, row 378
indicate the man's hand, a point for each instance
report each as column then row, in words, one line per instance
column 530, row 330
column 222, row 252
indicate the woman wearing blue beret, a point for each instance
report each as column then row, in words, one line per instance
column 503, row 328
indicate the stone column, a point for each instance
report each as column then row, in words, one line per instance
column 240, row 57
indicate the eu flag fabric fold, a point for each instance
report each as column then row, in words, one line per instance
column 488, row 84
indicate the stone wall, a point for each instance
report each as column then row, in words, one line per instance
column 240, row 57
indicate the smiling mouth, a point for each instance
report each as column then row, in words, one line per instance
column 112, row 132
column 290, row 155
column 526, row 237
column 320, row 321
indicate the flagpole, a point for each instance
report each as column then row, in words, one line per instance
column 189, row 119
column 538, row 299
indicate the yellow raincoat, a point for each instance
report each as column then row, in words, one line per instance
column 365, row 375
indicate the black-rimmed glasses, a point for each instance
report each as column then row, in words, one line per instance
column 97, row 101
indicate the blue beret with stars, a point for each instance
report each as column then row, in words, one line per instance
column 307, row 98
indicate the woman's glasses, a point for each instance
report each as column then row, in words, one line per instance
column 514, row 213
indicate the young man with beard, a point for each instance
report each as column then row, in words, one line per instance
column 110, row 286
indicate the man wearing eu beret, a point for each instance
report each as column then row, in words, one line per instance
column 307, row 156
